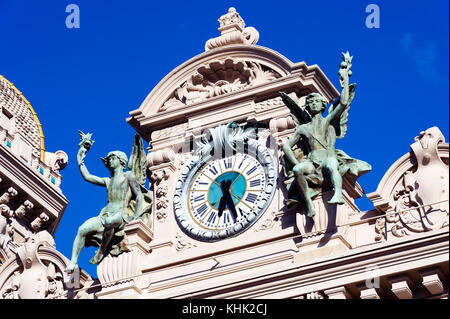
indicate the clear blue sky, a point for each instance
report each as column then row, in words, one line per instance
column 90, row 78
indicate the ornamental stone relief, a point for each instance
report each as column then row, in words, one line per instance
column 162, row 202
column 56, row 161
column 169, row 131
column 159, row 179
column 419, row 200
column 181, row 243
column 269, row 222
column 6, row 231
column 33, row 277
column 216, row 78
column 268, row 104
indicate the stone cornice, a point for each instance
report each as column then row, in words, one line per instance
column 349, row 267
column 33, row 185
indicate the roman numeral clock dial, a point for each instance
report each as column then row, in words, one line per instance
column 217, row 198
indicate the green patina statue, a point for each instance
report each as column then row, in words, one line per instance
column 310, row 155
column 128, row 200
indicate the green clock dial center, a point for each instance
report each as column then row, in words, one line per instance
column 237, row 188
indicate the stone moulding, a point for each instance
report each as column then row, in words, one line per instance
column 291, row 75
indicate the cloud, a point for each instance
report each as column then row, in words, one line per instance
column 424, row 55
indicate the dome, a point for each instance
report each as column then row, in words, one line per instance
column 17, row 116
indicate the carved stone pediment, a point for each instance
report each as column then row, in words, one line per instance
column 227, row 81
column 216, row 78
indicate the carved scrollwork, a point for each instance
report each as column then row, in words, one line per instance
column 38, row 222
column 380, row 228
column 159, row 179
column 8, row 195
column 267, row 105
column 169, row 131
column 418, row 199
column 269, row 222
column 162, row 202
column 182, row 244
column 11, row 288
column 55, row 287
column 33, row 277
column 216, row 78
column 56, row 161
column 23, row 209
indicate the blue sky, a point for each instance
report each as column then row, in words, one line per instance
column 90, row 78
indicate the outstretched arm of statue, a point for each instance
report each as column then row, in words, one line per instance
column 287, row 148
column 344, row 75
column 84, row 171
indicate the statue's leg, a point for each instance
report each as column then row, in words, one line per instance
column 300, row 170
column 90, row 226
column 110, row 223
column 331, row 165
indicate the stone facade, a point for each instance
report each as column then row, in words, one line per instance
column 398, row 250
column 31, row 205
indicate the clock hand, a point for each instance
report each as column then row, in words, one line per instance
column 226, row 201
column 222, row 205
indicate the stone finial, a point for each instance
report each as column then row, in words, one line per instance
column 233, row 31
column 231, row 21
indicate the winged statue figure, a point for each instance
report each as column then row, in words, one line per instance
column 128, row 199
column 310, row 156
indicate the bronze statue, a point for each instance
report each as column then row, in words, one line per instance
column 128, row 200
column 310, row 155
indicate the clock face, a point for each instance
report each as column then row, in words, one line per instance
column 218, row 198
column 225, row 191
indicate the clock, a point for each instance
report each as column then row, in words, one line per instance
column 218, row 196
